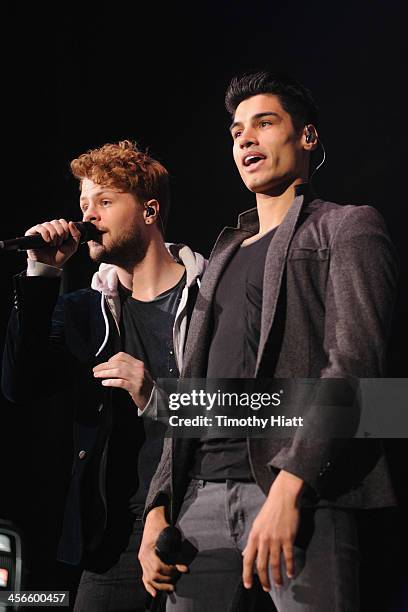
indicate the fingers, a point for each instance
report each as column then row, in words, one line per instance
column 53, row 232
column 121, row 377
column 266, row 556
column 163, row 586
column 148, row 588
column 262, row 566
column 154, row 569
column 289, row 560
column 118, row 359
column 157, row 576
column 249, row 560
column 152, row 587
column 166, row 575
column 119, row 383
column 274, row 563
column 121, row 370
column 108, row 373
column 75, row 233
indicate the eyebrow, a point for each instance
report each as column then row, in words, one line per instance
column 257, row 116
column 97, row 194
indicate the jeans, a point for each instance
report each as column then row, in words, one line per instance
column 113, row 584
column 215, row 521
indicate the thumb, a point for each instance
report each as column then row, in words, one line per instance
column 182, row 568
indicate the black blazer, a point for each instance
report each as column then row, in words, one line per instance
column 56, row 338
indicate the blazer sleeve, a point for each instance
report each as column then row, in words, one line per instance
column 159, row 493
column 160, row 490
column 360, row 296
column 35, row 360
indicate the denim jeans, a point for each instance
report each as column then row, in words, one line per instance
column 113, row 583
column 215, row 521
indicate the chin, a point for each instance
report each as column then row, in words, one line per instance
column 258, row 186
column 97, row 253
column 270, row 186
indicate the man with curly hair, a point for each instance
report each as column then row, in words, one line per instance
column 109, row 343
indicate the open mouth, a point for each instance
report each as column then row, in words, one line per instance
column 253, row 159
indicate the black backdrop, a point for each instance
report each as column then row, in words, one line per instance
column 78, row 75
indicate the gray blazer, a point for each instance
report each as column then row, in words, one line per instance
column 328, row 293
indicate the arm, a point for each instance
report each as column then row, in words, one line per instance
column 35, row 356
column 361, row 291
column 157, row 575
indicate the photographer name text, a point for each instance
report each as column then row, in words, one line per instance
column 224, row 421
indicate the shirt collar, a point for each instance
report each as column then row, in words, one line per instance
column 249, row 220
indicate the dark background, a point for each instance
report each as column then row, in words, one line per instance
column 78, row 75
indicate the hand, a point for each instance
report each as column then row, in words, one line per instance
column 64, row 237
column 126, row 372
column 157, row 576
column 274, row 531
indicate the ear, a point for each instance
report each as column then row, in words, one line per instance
column 151, row 211
column 310, row 137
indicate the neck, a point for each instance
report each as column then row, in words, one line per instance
column 156, row 273
column 272, row 207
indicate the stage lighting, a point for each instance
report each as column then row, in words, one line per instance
column 10, row 557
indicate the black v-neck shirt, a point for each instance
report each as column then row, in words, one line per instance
column 237, row 310
column 136, row 443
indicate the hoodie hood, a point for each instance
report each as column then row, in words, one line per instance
column 106, row 279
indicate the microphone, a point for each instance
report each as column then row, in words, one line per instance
column 36, row 241
column 168, row 545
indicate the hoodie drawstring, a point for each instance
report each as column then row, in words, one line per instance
column 105, row 318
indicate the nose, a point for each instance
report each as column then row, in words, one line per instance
column 91, row 214
column 247, row 138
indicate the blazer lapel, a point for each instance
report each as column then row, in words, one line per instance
column 274, row 267
column 199, row 334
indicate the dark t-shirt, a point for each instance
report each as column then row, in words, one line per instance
column 136, row 443
column 237, row 310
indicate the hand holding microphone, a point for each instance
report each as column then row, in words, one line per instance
column 167, row 548
column 62, row 240
column 158, row 553
column 52, row 242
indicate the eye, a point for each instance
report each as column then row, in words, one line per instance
column 236, row 134
column 105, row 203
column 264, row 123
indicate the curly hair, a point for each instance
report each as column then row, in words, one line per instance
column 123, row 166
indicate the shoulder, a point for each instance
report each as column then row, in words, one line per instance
column 333, row 212
column 333, row 219
column 80, row 298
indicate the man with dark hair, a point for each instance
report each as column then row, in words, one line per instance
column 302, row 288
column 108, row 343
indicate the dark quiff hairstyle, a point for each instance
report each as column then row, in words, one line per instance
column 125, row 167
column 296, row 100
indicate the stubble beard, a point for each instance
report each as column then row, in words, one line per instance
column 125, row 252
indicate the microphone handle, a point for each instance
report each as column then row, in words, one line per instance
column 36, row 241
column 167, row 547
